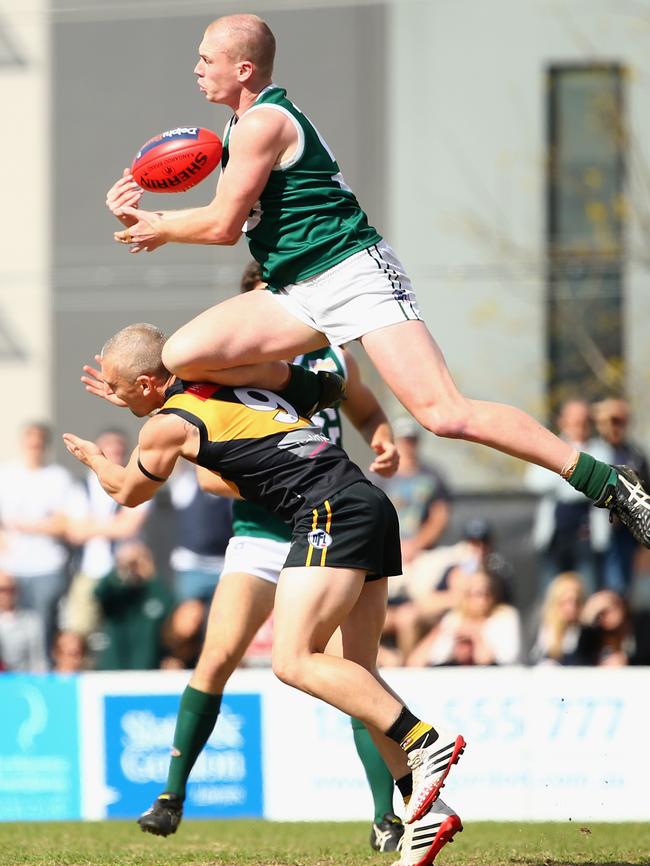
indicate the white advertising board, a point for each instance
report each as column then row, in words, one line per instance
column 543, row 743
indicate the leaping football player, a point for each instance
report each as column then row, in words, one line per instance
column 332, row 277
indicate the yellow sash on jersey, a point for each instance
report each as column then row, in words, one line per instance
column 225, row 420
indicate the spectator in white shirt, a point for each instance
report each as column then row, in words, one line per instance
column 34, row 496
column 481, row 630
column 98, row 524
column 22, row 636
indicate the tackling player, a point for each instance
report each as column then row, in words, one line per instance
column 244, row 599
column 345, row 538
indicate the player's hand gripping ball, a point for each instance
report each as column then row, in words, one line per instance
column 177, row 160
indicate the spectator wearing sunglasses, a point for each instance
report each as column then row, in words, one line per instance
column 612, row 418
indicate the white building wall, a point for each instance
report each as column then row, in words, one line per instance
column 467, row 104
column 25, row 358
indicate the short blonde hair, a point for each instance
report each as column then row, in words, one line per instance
column 137, row 351
column 249, row 38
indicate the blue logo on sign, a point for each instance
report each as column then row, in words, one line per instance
column 226, row 780
column 39, row 748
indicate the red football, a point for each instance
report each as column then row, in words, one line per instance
column 177, row 160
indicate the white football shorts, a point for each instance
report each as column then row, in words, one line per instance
column 366, row 291
column 261, row 557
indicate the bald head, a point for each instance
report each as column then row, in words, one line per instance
column 245, row 37
column 136, row 351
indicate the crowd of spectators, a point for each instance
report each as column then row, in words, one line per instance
column 453, row 605
column 83, row 588
column 80, row 587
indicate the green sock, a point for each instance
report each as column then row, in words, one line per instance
column 591, row 476
column 379, row 778
column 197, row 716
column 303, row 388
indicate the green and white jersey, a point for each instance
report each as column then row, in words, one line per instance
column 307, row 218
column 254, row 520
column 330, row 358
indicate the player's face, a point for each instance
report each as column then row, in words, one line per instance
column 140, row 399
column 216, row 72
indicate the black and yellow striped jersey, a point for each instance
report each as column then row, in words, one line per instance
column 259, row 444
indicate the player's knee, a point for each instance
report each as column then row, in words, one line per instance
column 449, row 420
column 288, row 670
column 176, row 356
column 171, row 356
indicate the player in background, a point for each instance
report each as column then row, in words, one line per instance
column 332, row 277
column 345, row 538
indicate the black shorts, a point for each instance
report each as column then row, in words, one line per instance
column 356, row 528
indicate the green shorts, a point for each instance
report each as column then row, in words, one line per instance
column 356, row 528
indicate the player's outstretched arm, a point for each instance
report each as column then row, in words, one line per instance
column 162, row 441
column 255, row 146
column 364, row 411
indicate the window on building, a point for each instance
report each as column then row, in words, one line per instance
column 586, row 213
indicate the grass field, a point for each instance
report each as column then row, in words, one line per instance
column 257, row 843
